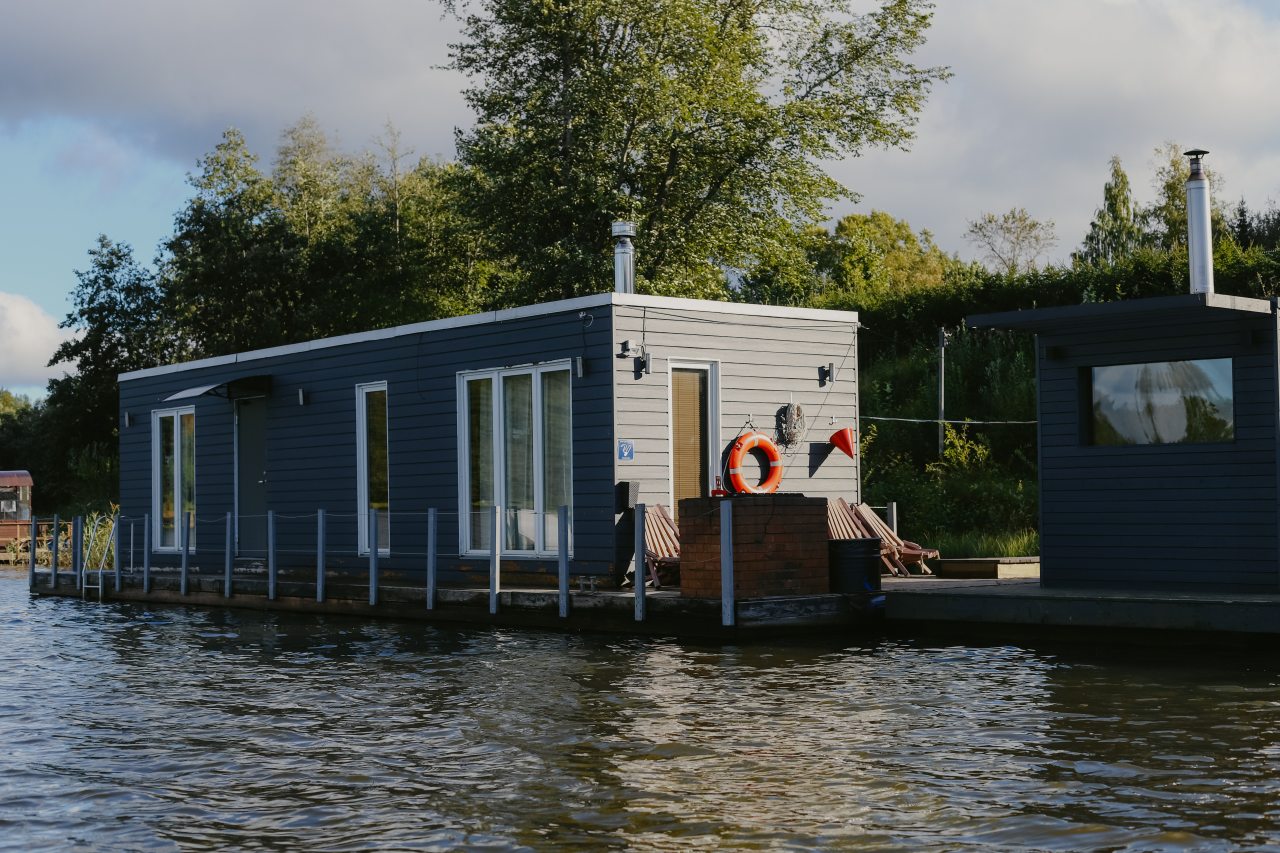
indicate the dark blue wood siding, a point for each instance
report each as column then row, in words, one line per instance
column 1184, row 516
column 311, row 448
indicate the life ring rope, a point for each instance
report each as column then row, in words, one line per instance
column 743, row 445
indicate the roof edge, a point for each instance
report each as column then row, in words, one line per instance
column 1030, row 319
column 578, row 303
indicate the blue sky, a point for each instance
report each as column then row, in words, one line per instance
column 104, row 109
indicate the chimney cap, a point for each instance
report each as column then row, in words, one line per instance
column 622, row 228
column 1195, row 152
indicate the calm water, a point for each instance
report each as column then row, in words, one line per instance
column 133, row 729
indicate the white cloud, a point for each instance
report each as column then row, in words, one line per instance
column 1044, row 94
column 28, row 338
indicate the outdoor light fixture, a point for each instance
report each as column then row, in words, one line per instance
column 827, row 373
column 302, row 397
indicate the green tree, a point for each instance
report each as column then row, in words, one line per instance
column 1165, row 220
column 702, row 120
column 232, row 278
column 1114, row 232
column 1012, row 242
column 11, row 403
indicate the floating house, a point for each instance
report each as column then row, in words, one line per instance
column 15, row 505
column 1159, row 430
column 593, row 404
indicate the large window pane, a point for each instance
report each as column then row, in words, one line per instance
column 518, row 462
column 187, row 476
column 375, row 410
column 480, row 460
column 168, row 482
column 557, row 443
column 1165, row 402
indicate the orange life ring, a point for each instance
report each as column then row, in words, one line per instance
column 744, row 445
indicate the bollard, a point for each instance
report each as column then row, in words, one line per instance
column 495, row 556
column 373, row 557
column 146, row 552
column 53, row 556
column 638, row 577
column 35, row 537
column 271, row 555
column 186, row 553
column 562, row 523
column 115, row 550
column 726, row 562
column 228, row 548
column 320, row 555
column 432, row 547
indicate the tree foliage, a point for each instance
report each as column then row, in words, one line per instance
column 1115, row 231
column 702, row 120
column 1012, row 242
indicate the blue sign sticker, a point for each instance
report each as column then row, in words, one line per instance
column 626, row 450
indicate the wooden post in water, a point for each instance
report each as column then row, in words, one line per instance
column 186, row 552
column 228, row 555
column 638, row 577
column 53, row 554
column 271, row 555
column 373, row 557
column 146, row 552
column 320, row 555
column 726, row 562
column 495, row 557
column 562, row 526
column 432, row 548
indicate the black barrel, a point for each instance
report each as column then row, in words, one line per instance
column 855, row 565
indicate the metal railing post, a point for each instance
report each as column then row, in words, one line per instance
column 373, row 557
column 115, row 550
column 320, row 555
column 562, row 526
column 146, row 552
column 228, row 555
column 726, row 562
column 35, row 537
column 891, row 513
column 495, row 557
column 132, row 552
column 53, row 553
column 432, row 548
column 638, row 577
column 271, row 555
column 186, row 553
column 77, row 550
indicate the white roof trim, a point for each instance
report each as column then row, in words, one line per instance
column 505, row 315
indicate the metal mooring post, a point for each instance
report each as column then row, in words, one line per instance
column 31, row 570
column 638, row 577
column 271, row 555
column 726, row 562
column 228, row 549
column 562, row 523
column 432, row 548
column 373, row 557
column 146, row 552
column 77, row 549
column 53, row 554
column 495, row 556
column 115, row 551
column 320, row 555
column 186, row 550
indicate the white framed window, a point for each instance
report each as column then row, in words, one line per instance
column 173, row 476
column 516, row 451
column 373, row 472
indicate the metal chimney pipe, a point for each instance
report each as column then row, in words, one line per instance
column 624, row 258
column 1199, row 238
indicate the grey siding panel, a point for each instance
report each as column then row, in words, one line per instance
column 1175, row 516
column 312, row 448
column 763, row 364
